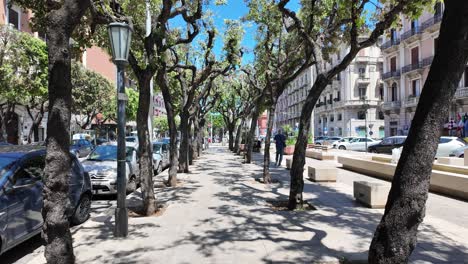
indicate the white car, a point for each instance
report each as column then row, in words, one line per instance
column 336, row 143
column 358, row 144
column 448, row 144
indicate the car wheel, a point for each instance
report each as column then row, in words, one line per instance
column 132, row 184
column 372, row 151
column 342, row 147
column 462, row 155
column 82, row 210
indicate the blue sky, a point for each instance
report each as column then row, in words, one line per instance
column 236, row 9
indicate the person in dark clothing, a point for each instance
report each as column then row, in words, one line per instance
column 280, row 141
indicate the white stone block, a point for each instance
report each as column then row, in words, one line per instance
column 372, row 194
column 322, row 174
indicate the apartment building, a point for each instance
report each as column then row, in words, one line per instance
column 289, row 105
column 408, row 52
column 350, row 105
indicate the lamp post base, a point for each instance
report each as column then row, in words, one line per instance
column 121, row 222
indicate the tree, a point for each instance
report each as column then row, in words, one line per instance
column 91, row 94
column 396, row 235
column 59, row 18
column 160, row 123
column 23, row 81
column 320, row 26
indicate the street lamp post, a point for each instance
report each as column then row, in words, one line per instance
column 120, row 35
column 366, row 107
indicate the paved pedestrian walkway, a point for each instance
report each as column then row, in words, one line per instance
column 220, row 214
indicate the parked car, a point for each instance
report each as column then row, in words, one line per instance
column 449, row 144
column 81, row 147
column 132, row 141
column 336, row 143
column 387, row 144
column 160, row 156
column 21, row 171
column 358, row 144
column 101, row 165
column 458, row 152
column 320, row 140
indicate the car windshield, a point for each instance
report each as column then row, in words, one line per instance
column 130, row 139
column 107, row 153
column 157, row 148
column 5, row 164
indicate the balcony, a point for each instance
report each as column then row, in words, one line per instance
column 427, row 61
column 411, row 101
column 432, row 24
column 390, row 45
column 411, row 35
column 362, row 79
column 391, row 75
column 389, row 106
column 461, row 93
column 412, row 67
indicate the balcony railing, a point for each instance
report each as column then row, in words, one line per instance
column 461, row 92
column 390, row 43
column 412, row 101
column 391, row 105
column 392, row 74
column 410, row 33
column 431, row 21
column 427, row 61
column 363, row 78
column 412, row 67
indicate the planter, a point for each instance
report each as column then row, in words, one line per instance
column 289, row 150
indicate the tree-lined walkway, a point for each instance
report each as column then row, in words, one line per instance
column 220, row 214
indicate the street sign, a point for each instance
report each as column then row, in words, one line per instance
column 371, row 133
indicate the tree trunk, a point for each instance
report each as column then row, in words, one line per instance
column 145, row 148
column 184, row 143
column 196, row 137
column 190, row 143
column 297, row 168
column 250, row 136
column 56, row 203
column 395, row 237
column 266, row 156
column 231, row 128
column 161, row 79
column 239, row 136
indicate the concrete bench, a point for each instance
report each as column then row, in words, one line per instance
column 371, row 194
column 322, row 174
column 319, row 155
column 451, row 161
column 288, row 163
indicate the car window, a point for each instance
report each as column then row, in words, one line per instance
column 156, row 148
column 400, row 140
column 108, row 153
column 461, row 141
column 5, row 165
column 368, row 140
column 387, row 141
column 31, row 170
column 164, row 148
column 444, row 140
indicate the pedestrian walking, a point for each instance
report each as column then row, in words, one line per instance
column 280, row 141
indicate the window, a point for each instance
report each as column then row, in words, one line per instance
column 31, row 171
column 14, row 17
column 381, row 115
column 362, row 72
column 362, row 93
column 415, row 55
column 332, row 118
column 415, row 87
column 381, row 92
column 387, row 141
column 330, row 98
column 338, row 96
column 338, row 77
column 394, row 92
column 340, row 117
column 393, row 64
column 361, row 115
column 393, row 35
column 414, row 25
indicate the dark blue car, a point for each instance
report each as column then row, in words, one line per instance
column 21, row 170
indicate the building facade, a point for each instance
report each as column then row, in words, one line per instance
column 350, row 105
column 290, row 103
column 408, row 53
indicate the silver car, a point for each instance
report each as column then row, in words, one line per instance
column 160, row 156
column 101, row 165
